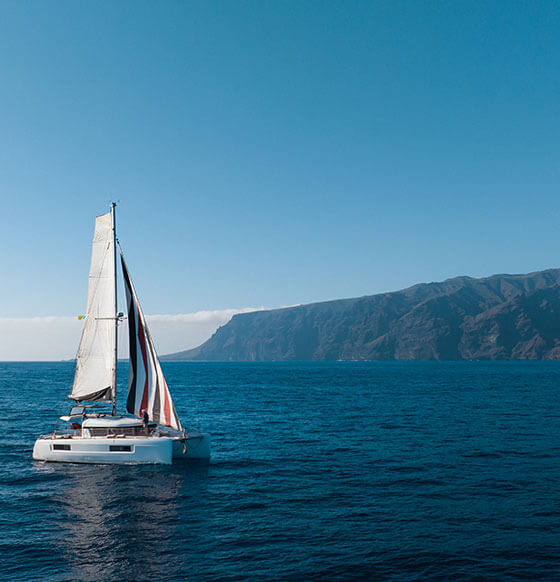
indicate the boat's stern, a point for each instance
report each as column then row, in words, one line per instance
column 193, row 445
column 41, row 448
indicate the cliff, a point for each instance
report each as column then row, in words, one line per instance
column 501, row 317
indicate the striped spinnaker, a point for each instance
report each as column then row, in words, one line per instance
column 147, row 388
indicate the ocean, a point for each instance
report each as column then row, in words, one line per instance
column 319, row 471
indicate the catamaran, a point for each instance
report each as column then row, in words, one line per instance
column 152, row 431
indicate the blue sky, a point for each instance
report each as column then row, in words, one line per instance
column 275, row 153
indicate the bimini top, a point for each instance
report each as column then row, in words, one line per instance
column 111, row 422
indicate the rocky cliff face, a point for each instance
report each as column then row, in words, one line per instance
column 501, row 317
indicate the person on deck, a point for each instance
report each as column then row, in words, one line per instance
column 145, row 421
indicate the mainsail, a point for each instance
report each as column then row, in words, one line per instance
column 147, row 388
column 95, row 362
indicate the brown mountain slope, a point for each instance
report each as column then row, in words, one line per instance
column 498, row 317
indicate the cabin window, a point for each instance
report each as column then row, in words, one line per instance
column 61, row 447
column 124, row 430
column 126, row 448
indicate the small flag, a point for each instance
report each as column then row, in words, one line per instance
column 80, row 317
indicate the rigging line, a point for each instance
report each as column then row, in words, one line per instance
column 63, row 403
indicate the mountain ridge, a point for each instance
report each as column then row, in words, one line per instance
column 497, row 317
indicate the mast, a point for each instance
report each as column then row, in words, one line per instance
column 113, row 205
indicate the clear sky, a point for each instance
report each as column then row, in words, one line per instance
column 274, row 153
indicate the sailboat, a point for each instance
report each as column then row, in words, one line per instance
column 151, row 432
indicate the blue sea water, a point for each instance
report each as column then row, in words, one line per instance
column 320, row 471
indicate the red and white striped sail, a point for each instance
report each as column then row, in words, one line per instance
column 147, row 388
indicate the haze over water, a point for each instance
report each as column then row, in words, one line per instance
column 398, row 471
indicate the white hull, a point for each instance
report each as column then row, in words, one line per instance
column 193, row 446
column 99, row 450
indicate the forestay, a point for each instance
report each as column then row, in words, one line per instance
column 147, row 388
column 96, row 355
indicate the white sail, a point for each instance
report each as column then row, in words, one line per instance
column 147, row 388
column 96, row 355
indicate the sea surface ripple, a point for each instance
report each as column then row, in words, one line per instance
column 320, row 471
